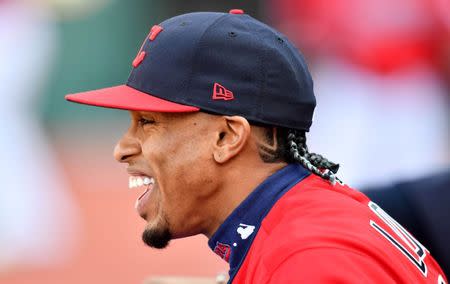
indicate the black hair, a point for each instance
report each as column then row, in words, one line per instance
column 289, row 145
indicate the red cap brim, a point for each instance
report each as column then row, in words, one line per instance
column 125, row 97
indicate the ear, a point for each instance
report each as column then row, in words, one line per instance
column 232, row 136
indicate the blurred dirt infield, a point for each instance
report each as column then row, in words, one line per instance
column 109, row 248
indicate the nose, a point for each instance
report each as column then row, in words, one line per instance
column 126, row 148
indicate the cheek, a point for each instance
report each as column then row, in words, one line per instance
column 193, row 181
column 186, row 154
column 181, row 165
column 188, row 170
column 188, row 175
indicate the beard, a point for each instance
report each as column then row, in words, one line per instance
column 157, row 236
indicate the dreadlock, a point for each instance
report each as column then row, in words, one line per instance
column 289, row 145
column 315, row 163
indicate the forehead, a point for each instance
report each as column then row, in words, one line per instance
column 170, row 117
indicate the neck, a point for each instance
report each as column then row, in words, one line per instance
column 238, row 183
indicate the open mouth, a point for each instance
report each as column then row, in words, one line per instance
column 145, row 182
column 138, row 181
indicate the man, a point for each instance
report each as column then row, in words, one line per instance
column 219, row 106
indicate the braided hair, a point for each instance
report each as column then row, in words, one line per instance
column 289, row 145
column 315, row 163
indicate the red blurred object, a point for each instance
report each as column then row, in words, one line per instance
column 381, row 35
column 236, row 11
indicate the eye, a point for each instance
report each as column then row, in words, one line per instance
column 144, row 121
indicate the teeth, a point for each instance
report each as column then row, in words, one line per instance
column 136, row 181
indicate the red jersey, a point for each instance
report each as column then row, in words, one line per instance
column 315, row 232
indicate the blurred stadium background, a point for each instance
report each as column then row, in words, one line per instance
column 381, row 71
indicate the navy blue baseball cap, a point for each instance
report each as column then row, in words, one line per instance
column 219, row 63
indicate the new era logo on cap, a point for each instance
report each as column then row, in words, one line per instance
column 221, row 93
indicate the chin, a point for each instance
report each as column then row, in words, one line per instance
column 157, row 235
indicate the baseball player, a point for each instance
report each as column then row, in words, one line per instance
column 219, row 105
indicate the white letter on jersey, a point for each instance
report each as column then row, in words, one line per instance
column 419, row 250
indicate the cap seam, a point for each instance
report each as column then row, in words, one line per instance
column 262, row 85
column 194, row 57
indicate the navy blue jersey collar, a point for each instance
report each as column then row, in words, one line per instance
column 234, row 237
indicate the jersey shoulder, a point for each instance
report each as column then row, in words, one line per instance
column 318, row 219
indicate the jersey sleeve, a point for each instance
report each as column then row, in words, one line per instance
column 329, row 265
